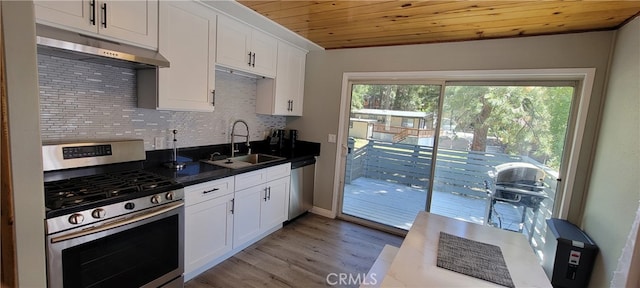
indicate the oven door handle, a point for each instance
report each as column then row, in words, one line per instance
column 117, row 224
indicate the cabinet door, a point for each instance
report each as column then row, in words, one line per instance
column 274, row 209
column 77, row 14
column 233, row 40
column 246, row 217
column 284, row 94
column 187, row 39
column 208, row 231
column 133, row 21
column 297, row 61
column 265, row 50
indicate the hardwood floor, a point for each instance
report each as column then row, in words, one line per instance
column 301, row 254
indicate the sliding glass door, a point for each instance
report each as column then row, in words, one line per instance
column 392, row 169
column 392, row 128
column 500, row 154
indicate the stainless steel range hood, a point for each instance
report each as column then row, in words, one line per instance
column 72, row 45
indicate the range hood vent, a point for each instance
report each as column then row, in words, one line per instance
column 71, row 45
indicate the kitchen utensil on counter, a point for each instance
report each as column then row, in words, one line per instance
column 293, row 137
column 277, row 138
column 175, row 164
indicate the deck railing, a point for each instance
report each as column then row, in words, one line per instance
column 459, row 172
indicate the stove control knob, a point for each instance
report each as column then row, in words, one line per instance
column 76, row 218
column 129, row 206
column 98, row 213
column 156, row 199
column 169, row 196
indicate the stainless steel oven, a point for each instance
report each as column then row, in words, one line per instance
column 111, row 226
column 144, row 249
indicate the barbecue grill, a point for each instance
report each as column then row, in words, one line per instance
column 517, row 183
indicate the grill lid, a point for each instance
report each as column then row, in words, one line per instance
column 518, row 172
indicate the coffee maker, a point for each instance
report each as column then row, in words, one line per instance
column 277, row 139
column 280, row 139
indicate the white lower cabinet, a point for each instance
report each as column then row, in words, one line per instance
column 224, row 216
column 208, row 222
column 262, row 206
column 273, row 210
column 247, row 214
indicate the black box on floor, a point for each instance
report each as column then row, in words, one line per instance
column 569, row 254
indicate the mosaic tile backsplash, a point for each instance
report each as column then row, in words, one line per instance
column 86, row 101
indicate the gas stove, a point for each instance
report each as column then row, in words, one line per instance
column 86, row 183
column 70, row 195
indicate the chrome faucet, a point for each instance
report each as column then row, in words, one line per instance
column 233, row 135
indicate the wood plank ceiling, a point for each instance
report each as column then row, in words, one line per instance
column 350, row 24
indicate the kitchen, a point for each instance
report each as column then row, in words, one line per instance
column 333, row 63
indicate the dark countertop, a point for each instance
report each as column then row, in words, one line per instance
column 196, row 171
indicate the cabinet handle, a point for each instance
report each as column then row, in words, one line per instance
column 269, row 197
column 209, row 191
column 233, row 205
column 249, row 58
column 265, row 194
column 92, row 12
column 104, row 15
column 213, row 97
column 254, row 60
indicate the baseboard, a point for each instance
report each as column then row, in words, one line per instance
column 323, row 212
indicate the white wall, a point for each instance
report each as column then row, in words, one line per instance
column 614, row 189
column 24, row 130
column 325, row 69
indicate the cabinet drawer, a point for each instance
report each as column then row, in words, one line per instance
column 249, row 179
column 209, row 190
column 279, row 171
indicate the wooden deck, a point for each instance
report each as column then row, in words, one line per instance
column 397, row 205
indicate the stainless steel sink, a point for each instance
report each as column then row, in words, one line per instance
column 244, row 161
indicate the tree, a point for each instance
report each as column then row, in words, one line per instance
column 526, row 120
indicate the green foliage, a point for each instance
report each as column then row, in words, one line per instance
column 395, row 97
column 524, row 120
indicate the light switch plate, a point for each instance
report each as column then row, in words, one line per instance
column 159, row 143
column 332, row 138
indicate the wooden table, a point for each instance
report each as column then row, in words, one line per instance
column 415, row 263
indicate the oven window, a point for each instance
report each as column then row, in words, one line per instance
column 130, row 258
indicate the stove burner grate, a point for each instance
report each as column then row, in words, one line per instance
column 82, row 190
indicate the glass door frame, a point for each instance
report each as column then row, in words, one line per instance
column 573, row 145
column 343, row 155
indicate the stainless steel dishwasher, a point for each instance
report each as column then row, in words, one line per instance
column 302, row 181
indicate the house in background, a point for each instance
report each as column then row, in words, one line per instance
column 413, row 127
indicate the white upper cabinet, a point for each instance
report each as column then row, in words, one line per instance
column 284, row 94
column 187, row 40
column 134, row 22
column 245, row 49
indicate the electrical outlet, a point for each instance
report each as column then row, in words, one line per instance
column 159, row 143
column 332, row 138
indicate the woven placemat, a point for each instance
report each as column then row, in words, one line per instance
column 473, row 258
